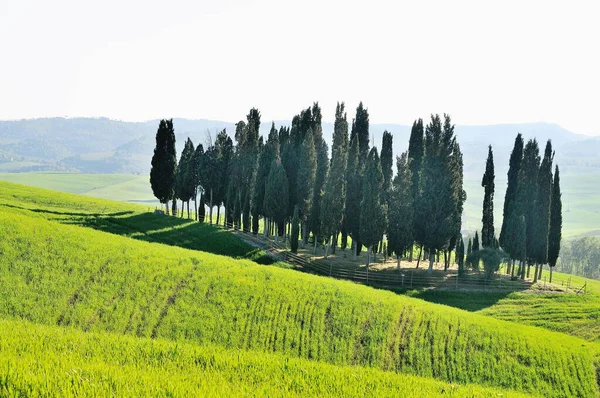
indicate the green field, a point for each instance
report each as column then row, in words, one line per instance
column 581, row 194
column 78, row 364
column 52, row 273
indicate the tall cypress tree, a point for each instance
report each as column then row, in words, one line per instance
column 334, row 196
column 436, row 207
column 516, row 157
column 322, row 155
column 268, row 153
column 399, row 230
column 373, row 212
column 210, row 178
column 307, row 165
column 183, row 178
column 487, row 219
column 542, row 210
column 416, row 151
column 476, row 242
column 387, row 160
column 353, row 195
column 196, row 166
column 527, row 192
column 360, row 129
column 460, row 256
column 164, row 163
column 276, row 195
column 224, row 147
column 555, row 233
column 470, row 246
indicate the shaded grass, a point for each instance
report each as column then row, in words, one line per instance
column 93, row 281
column 128, row 220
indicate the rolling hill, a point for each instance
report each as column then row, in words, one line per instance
column 56, row 274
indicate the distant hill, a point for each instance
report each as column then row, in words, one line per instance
column 101, row 145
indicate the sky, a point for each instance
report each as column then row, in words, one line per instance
column 483, row 62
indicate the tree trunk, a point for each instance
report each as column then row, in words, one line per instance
column 195, row 209
column 431, row 259
column 535, row 273
column 512, row 269
column 551, row 268
column 410, row 258
column 368, row 262
column 167, row 207
column 398, row 259
column 540, row 272
column 419, row 258
column 445, row 260
column 265, row 227
column 327, row 244
column 528, row 269
column 315, row 251
column 353, row 248
column 218, row 213
column 211, row 207
column 334, row 241
column 522, row 269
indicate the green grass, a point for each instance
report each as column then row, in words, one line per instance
column 129, row 220
column 80, row 364
column 577, row 315
column 56, row 274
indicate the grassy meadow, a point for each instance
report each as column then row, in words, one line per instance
column 56, row 271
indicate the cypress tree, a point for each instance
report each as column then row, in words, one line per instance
column 164, row 163
column 201, row 209
column 516, row 157
column 373, row 212
column 334, row 196
column 322, row 155
column 183, row 180
column 268, row 153
column 276, row 195
column 436, row 207
column 387, row 160
column 527, row 192
column 353, row 195
column 470, row 246
column 542, row 210
column 360, row 130
column 487, row 182
column 210, row 178
column 399, row 230
column 224, row 146
column 307, row 164
column 416, row 151
column 295, row 231
column 196, row 166
column 460, row 256
column 555, row 233
column 476, row 242
column 459, row 196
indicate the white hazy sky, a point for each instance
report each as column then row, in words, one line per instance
column 483, row 62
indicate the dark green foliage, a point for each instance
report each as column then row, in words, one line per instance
column 460, row 255
column 542, row 207
column 360, row 129
column 353, row 193
column 334, row 196
column 487, row 219
column 470, row 246
column 527, row 192
column 209, row 174
column 295, row 231
column 515, row 235
column 516, row 157
column 387, row 160
column 438, row 200
column 225, row 152
column 555, row 233
column 490, row 257
column 399, row 230
column 268, row 153
column 276, row 195
column 475, row 242
column 307, row 165
column 184, row 178
column 164, row 162
column 373, row 212
column 322, row 153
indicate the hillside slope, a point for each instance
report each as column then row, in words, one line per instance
column 66, row 275
column 85, row 364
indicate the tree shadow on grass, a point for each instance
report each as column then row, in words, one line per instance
column 174, row 231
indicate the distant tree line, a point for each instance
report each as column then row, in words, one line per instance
column 353, row 199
